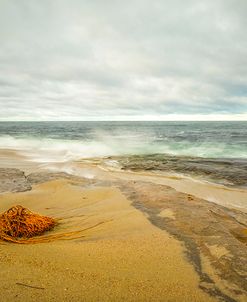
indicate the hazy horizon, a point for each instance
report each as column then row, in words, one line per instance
column 207, row 118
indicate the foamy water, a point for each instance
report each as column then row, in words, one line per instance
column 218, row 151
column 50, row 150
column 63, row 141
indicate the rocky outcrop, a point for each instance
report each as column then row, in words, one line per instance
column 13, row 180
column 224, row 171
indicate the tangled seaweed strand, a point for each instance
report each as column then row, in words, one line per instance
column 19, row 225
column 19, row 222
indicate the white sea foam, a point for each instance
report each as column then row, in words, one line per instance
column 57, row 150
column 51, row 150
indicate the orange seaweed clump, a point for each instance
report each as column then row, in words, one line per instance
column 20, row 223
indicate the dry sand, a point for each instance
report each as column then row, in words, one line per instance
column 142, row 240
column 125, row 259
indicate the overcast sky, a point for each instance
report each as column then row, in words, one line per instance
column 159, row 59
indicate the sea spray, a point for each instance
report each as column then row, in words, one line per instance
column 63, row 141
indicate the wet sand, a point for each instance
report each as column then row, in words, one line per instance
column 144, row 241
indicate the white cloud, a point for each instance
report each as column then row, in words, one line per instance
column 139, row 60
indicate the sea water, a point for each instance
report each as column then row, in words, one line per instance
column 70, row 140
column 189, row 144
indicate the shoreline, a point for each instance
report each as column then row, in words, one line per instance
column 222, row 194
column 152, row 237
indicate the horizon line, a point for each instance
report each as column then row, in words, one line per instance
column 40, row 121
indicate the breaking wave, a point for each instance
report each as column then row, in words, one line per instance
column 61, row 150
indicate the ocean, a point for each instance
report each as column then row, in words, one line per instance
column 219, row 146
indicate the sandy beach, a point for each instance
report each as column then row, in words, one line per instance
column 123, row 151
column 133, row 237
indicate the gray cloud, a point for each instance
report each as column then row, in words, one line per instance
column 76, row 59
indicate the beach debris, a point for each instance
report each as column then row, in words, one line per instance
column 190, row 197
column 31, row 286
column 19, row 223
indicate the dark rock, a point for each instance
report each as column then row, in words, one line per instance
column 13, row 180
